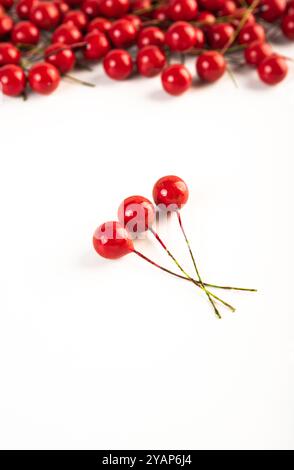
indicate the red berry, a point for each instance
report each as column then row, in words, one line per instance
column 61, row 57
column 122, row 33
column 151, row 36
column 99, row 24
column 273, row 70
column 66, row 34
column 44, row 78
column 135, row 20
column 206, row 18
column 238, row 16
column 24, row 7
column 170, row 192
column 118, row 64
column 9, row 54
column 114, row 8
column 62, row 6
column 211, row 66
column 76, row 18
column 160, row 13
column 181, row 36
column 97, row 45
column 288, row 26
column 220, row 34
column 45, row 15
column 111, row 240
column 176, row 79
column 150, row 61
column 290, row 8
column 227, row 9
column 256, row 52
column 185, row 10
column 140, row 5
column 91, row 8
column 251, row 33
column 6, row 25
column 25, row 32
column 12, row 80
column 271, row 10
column 136, row 214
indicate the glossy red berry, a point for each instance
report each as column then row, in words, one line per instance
column 136, row 5
column 62, row 6
column 273, row 70
column 271, row 10
column 97, row 45
column 151, row 36
column 135, row 20
column 238, row 16
column 206, row 18
column 160, row 13
column 114, row 8
column 62, row 57
column 288, row 26
column 251, row 33
column 211, row 66
column 111, row 240
column 227, row 9
column 66, row 34
column 122, row 33
column 220, row 34
column 170, row 192
column 76, row 18
column 91, row 8
column 176, row 79
column 24, row 7
column 150, row 61
column 99, row 24
column 6, row 25
column 44, row 78
column 136, row 214
column 25, row 32
column 183, row 10
column 256, row 52
column 181, row 36
column 118, row 64
column 12, row 80
column 9, row 54
column 45, row 15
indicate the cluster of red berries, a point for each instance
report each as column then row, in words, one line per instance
column 42, row 40
column 137, row 215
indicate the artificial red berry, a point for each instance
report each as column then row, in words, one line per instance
column 62, row 57
column 251, row 33
column 25, row 32
column 181, row 36
column 271, row 10
column 150, row 61
column 183, row 10
column 6, row 25
column 9, row 54
column 290, row 7
column 239, row 15
column 206, row 18
column 99, row 24
column 227, row 9
column 140, row 5
column 111, row 240
column 114, row 8
column 118, row 64
column 12, row 80
column 176, row 79
column 288, row 26
column 66, row 34
column 44, row 78
column 24, row 7
column 76, row 18
column 122, row 33
column 256, row 52
column 160, row 13
column 91, row 8
column 220, row 34
column 136, row 214
column 45, row 15
column 135, row 20
column 97, row 45
column 170, row 192
column 151, row 36
column 273, row 70
column 211, row 66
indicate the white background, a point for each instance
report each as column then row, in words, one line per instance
column 103, row 354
